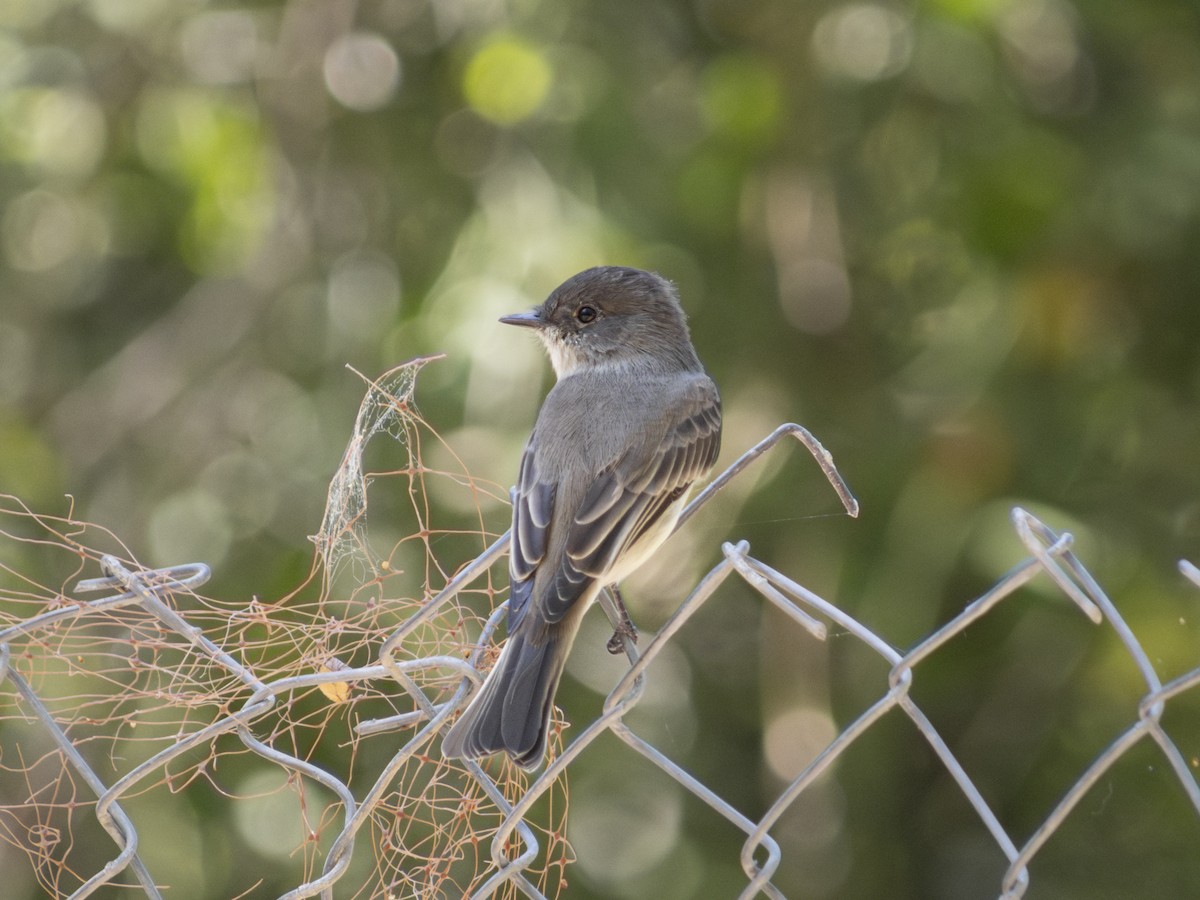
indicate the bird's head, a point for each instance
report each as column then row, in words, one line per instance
column 612, row 316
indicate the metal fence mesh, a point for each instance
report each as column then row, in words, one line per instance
column 151, row 687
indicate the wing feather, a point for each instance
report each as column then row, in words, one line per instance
column 632, row 494
column 624, row 503
column 533, row 507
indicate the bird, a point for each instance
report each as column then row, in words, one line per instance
column 631, row 423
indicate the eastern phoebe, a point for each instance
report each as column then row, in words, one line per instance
column 631, row 423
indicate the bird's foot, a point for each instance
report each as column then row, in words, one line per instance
column 616, row 643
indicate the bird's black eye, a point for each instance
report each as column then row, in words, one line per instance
column 585, row 314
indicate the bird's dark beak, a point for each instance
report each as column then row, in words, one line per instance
column 527, row 319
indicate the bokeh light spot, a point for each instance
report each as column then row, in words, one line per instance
column 42, row 229
column 362, row 71
column 220, row 47
column 123, row 15
column 192, row 524
column 214, row 145
column 795, row 737
column 863, row 42
column 630, row 834
column 61, row 132
column 507, row 80
column 815, row 295
column 269, row 817
column 364, row 294
column 741, row 98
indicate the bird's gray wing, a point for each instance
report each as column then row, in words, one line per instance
column 533, row 507
column 632, row 493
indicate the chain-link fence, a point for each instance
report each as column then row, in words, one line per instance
column 151, row 688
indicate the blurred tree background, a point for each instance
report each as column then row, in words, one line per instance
column 956, row 239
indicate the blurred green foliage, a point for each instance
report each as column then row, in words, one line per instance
column 955, row 239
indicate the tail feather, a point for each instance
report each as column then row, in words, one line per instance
column 511, row 711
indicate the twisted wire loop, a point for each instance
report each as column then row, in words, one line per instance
column 515, row 844
column 136, row 590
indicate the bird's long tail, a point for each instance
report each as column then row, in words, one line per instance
column 511, row 711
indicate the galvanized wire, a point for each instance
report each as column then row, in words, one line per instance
column 515, row 846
